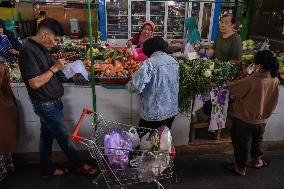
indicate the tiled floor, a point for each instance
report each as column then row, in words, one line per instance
column 193, row 172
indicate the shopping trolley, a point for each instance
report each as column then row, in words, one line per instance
column 122, row 178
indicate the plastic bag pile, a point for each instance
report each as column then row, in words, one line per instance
column 135, row 158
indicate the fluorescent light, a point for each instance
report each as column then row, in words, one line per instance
column 171, row 3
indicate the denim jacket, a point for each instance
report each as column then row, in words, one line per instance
column 157, row 82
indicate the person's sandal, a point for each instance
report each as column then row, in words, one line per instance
column 57, row 172
column 86, row 170
column 265, row 163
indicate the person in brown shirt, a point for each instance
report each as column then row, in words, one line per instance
column 9, row 123
column 256, row 97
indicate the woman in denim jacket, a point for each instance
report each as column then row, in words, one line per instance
column 157, row 82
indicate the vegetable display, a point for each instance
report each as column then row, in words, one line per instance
column 197, row 77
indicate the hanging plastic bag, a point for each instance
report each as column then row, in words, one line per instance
column 188, row 48
column 189, row 52
column 265, row 45
column 117, row 147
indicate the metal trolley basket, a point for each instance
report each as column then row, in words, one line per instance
column 161, row 169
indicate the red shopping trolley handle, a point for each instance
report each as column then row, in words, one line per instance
column 173, row 152
column 75, row 136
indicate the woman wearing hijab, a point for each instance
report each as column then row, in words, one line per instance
column 193, row 35
column 139, row 39
column 146, row 33
column 9, row 123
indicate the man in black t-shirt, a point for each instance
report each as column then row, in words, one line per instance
column 39, row 72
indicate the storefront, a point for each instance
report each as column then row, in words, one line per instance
column 124, row 18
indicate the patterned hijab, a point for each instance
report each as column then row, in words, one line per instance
column 142, row 37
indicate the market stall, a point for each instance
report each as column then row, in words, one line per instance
column 114, row 104
column 96, row 75
column 109, row 68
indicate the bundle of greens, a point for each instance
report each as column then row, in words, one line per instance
column 197, row 77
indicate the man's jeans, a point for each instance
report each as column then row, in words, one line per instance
column 53, row 127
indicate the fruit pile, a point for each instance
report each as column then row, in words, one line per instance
column 117, row 68
column 69, row 52
column 69, row 56
column 115, row 63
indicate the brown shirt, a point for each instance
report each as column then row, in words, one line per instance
column 256, row 97
column 9, row 117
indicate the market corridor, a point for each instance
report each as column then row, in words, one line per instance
column 194, row 172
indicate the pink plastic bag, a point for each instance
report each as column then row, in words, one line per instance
column 140, row 55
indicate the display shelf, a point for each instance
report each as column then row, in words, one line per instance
column 168, row 17
column 119, row 15
column 125, row 24
column 175, row 21
column 176, row 16
column 120, row 33
column 117, row 18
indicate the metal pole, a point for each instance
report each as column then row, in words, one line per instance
column 93, row 84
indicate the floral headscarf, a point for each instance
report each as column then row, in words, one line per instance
column 142, row 37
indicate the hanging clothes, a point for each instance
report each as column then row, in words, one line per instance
column 219, row 100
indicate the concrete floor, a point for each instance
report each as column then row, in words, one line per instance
column 202, row 171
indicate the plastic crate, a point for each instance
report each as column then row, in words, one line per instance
column 78, row 79
column 113, row 80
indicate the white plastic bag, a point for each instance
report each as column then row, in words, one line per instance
column 188, row 48
column 133, row 135
column 146, row 142
column 166, row 140
column 189, row 52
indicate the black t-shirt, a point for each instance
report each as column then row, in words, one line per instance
column 34, row 60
